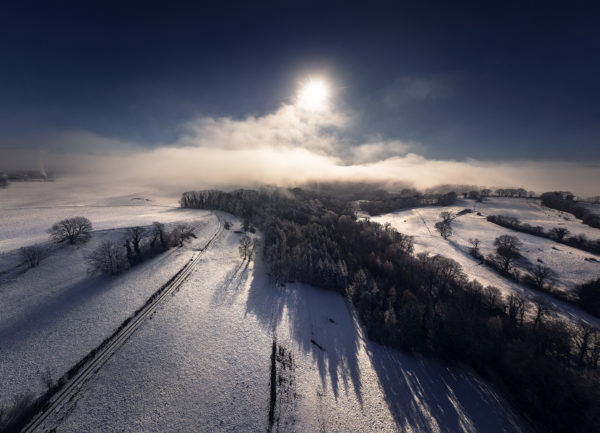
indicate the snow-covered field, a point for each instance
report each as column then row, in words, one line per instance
column 203, row 364
column 203, row 361
column 569, row 263
column 54, row 314
column 531, row 211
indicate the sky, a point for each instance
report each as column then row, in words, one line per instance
column 481, row 84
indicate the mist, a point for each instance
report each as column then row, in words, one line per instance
column 288, row 147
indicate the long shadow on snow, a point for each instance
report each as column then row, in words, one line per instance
column 234, row 280
column 45, row 314
column 422, row 394
column 320, row 324
column 73, row 297
column 426, row 395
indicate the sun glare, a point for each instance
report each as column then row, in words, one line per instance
column 313, row 95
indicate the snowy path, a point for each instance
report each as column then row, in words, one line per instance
column 203, row 364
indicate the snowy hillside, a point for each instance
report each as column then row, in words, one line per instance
column 569, row 263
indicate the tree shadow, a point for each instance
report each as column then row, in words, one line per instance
column 426, row 395
column 234, row 281
column 43, row 315
column 422, row 394
column 319, row 323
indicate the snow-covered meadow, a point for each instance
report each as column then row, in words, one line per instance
column 569, row 263
column 202, row 363
column 54, row 314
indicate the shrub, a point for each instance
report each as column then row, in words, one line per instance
column 109, row 258
column 31, row 255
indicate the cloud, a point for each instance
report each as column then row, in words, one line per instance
column 286, row 147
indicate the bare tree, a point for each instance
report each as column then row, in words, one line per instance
column 517, row 305
column 159, row 235
column 447, row 217
column 74, row 230
column 136, row 235
column 254, row 249
column 445, row 229
column 31, row 255
column 585, row 338
column 508, row 249
column 182, row 233
column 492, row 296
column 245, row 246
column 543, row 308
column 541, row 275
column 109, row 257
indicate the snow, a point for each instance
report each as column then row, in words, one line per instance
column 531, row 211
column 203, row 364
column 54, row 314
column 569, row 263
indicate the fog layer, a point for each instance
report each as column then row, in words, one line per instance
column 288, row 147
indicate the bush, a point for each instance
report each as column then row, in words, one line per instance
column 31, row 255
column 109, row 258
column 75, row 230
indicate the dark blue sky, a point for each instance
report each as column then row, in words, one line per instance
column 513, row 80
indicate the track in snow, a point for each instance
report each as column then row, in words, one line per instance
column 92, row 365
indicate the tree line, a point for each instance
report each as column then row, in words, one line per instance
column 425, row 303
column 565, row 201
column 557, row 234
column 111, row 256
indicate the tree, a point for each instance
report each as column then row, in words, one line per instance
column 31, row 255
column 159, row 234
column 559, row 232
column 74, row 230
column 517, row 305
column 444, row 228
column 182, row 233
column 108, row 258
column 445, row 225
column 135, row 235
column 543, row 308
column 508, row 249
column 541, row 275
column 447, row 217
column 585, row 337
column 245, row 246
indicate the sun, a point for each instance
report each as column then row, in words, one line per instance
column 314, row 95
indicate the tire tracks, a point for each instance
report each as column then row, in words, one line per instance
column 74, row 379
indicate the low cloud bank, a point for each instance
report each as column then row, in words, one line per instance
column 287, row 147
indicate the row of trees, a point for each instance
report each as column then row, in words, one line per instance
column 426, row 303
column 111, row 256
column 557, row 234
column 565, row 201
column 138, row 244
